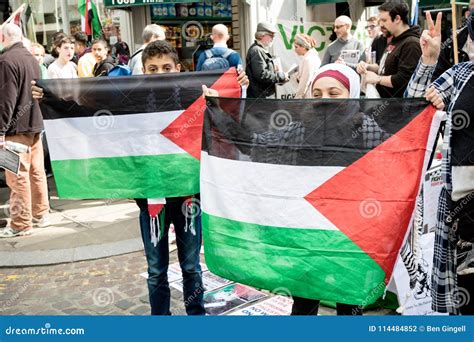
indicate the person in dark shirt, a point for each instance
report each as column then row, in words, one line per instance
column 401, row 55
column 22, row 123
column 379, row 45
column 465, row 38
column 261, row 69
column 105, row 62
column 453, row 260
column 80, row 46
column 118, row 48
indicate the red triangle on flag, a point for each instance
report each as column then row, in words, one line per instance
column 17, row 20
column 372, row 200
column 186, row 130
column 155, row 209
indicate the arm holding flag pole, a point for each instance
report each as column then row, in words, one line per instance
column 14, row 15
column 21, row 17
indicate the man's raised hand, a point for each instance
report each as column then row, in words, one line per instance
column 430, row 40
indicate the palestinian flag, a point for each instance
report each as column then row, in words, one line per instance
column 315, row 197
column 128, row 137
column 17, row 19
column 89, row 18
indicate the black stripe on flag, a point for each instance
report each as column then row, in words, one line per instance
column 303, row 132
column 84, row 97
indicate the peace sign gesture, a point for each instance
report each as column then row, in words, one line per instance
column 430, row 40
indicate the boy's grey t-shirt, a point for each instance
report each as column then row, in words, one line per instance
column 334, row 49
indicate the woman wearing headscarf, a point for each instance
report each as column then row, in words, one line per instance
column 304, row 45
column 332, row 81
column 338, row 81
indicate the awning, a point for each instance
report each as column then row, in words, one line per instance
column 319, row 2
column 367, row 3
column 129, row 3
column 426, row 3
column 423, row 3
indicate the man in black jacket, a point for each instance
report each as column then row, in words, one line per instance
column 22, row 122
column 261, row 70
column 379, row 45
column 401, row 55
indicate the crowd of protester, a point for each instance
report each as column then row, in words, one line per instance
column 401, row 60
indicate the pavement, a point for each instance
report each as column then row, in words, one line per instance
column 88, row 262
column 80, row 230
column 108, row 286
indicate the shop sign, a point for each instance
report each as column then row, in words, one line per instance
column 128, row 3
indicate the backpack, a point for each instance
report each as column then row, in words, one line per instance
column 102, row 69
column 216, row 62
column 135, row 54
column 120, row 70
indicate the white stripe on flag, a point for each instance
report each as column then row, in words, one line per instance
column 110, row 136
column 265, row 194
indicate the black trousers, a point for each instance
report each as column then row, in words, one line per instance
column 310, row 307
column 466, row 288
column 466, row 282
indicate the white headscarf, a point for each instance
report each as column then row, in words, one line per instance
column 352, row 76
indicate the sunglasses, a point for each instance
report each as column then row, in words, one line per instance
column 337, row 27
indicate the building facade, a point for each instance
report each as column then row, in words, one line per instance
column 188, row 22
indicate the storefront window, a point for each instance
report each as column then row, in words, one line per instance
column 188, row 24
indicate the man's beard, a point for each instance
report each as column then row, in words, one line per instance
column 386, row 33
column 268, row 45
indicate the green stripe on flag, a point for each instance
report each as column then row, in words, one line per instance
column 175, row 174
column 96, row 26
column 292, row 260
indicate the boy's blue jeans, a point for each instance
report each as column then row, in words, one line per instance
column 188, row 244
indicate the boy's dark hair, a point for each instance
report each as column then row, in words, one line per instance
column 64, row 40
column 101, row 41
column 160, row 48
column 57, row 37
column 396, row 7
column 80, row 37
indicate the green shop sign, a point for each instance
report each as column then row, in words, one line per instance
column 128, row 3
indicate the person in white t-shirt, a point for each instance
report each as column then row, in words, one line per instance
column 62, row 67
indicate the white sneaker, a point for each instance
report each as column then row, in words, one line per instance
column 9, row 232
column 42, row 222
